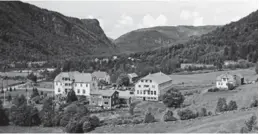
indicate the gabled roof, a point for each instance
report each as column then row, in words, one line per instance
column 99, row 74
column 230, row 76
column 104, row 92
column 132, row 75
column 77, row 76
column 157, row 77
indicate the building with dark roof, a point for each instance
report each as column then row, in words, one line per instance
column 104, row 98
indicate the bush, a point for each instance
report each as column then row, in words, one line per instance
column 149, row 118
column 251, row 124
column 56, row 119
column 232, row 105
column 230, row 86
column 71, row 96
column 186, row 114
column 221, row 105
column 25, row 115
column 73, row 127
column 202, row 112
column 95, row 121
column 168, row 116
column 173, row 98
column 209, row 113
column 255, row 102
column 87, row 126
column 213, row 89
column 3, row 116
column 65, row 119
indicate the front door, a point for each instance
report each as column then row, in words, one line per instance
column 144, row 98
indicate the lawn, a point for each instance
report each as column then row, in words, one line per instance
column 9, row 82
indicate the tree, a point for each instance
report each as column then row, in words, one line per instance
column 32, row 77
column 9, row 98
column 48, row 112
column 221, row 105
column 123, row 79
column 169, row 116
column 66, row 66
column 25, row 115
column 149, row 118
column 41, row 93
column 232, row 105
column 256, row 68
column 19, row 100
column 10, row 89
column 71, row 96
column 35, row 93
column 173, row 98
column 186, row 114
column 3, row 117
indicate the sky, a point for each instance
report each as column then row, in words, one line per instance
column 119, row 17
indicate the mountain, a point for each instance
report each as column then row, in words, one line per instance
column 147, row 39
column 234, row 41
column 28, row 32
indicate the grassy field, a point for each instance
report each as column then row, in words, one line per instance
column 9, row 82
column 231, row 122
column 36, row 129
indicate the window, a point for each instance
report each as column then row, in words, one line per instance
column 150, row 81
column 148, row 92
column 153, row 86
column 144, row 92
column 66, row 90
column 81, row 84
column 154, row 92
column 224, row 79
column 83, row 91
column 146, row 85
column 142, row 80
column 151, row 92
column 58, row 89
column 86, row 85
column 146, row 80
column 140, row 92
column 137, row 91
column 78, row 91
column 105, row 102
column 75, row 84
column 139, row 85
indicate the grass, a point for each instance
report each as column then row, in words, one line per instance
column 9, row 82
column 35, row 129
column 207, row 125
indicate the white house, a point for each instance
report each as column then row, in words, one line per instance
column 100, row 75
column 223, row 79
column 131, row 76
column 149, row 87
column 81, row 83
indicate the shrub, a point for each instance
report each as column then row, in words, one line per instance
column 65, row 119
column 221, row 105
column 173, row 98
column 202, row 112
column 73, row 127
column 209, row 113
column 95, row 121
column 251, row 124
column 168, row 116
column 71, row 96
column 56, row 119
column 137, row 121
column 230, row 86
column 232, row 105
column 25, row 115
column 3, row 116
column 186, row 114
column 213, row 89
column 149, row 118
column 255, row 102
column 87, row 126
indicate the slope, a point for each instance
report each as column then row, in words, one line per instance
column 149, row 38
column 32, row 33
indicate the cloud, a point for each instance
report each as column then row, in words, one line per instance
column 124, row 20
column 198, row 21
column 185, row 15
column 150, row 21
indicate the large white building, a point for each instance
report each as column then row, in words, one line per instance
column 149, row 87
column 81, row 83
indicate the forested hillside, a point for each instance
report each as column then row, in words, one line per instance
column 31, row 33
column 147, row 39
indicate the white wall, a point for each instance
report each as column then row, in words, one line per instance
column 81, row 87
column 139, row 91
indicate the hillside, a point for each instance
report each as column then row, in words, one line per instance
column 236, row 40
column 149, row 38
column 32, row 33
